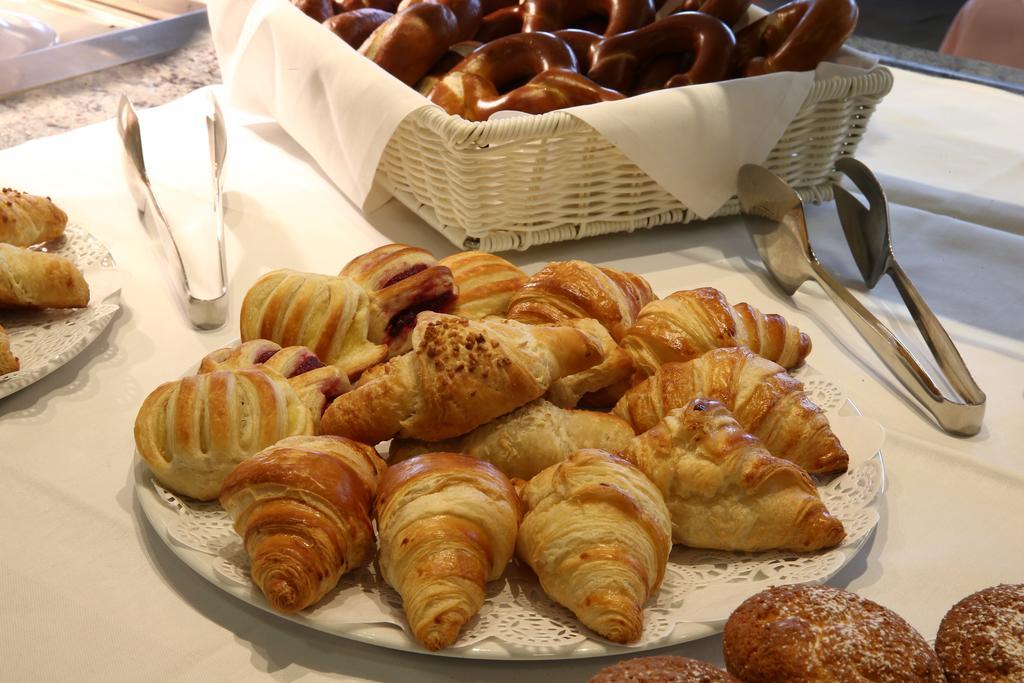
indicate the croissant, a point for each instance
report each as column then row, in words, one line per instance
column 37, row 279
column 601, row 385
column 685, row 324
column 724, row 490
column 764, row 399
column 28, row 219
column 597, row 533
column 485, row 282
column 447, row 525
column 459, row 375
column 302, row 508
column 315, row 383
column 330, row 315
column 529, row 439
column 401, row 281
column 8, row 361
column 576, row 289
column 193, row 431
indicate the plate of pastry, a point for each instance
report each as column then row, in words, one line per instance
column 58, row 291
column 555, row 466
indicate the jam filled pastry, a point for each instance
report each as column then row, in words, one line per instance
column 302, row 508
column 764, row 399
column 447, row 525
column 459, row 375
column 725, row 491
column 27, row 219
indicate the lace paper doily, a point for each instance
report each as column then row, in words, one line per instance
column 700, row 590
column 45, row 340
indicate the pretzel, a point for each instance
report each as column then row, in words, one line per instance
column 795, row 37
column 349, row 5
column 729, row 11
column 616, row 60
column 408, row 44
column 355, row 26
column 502, row 22
column 318, row 10
column 581, row 43
column 473, row 89
column 467, row 12
column 554, row 15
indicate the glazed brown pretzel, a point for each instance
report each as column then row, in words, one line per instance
column 349, row 5
column 473, row 89
column 318, row 10
column 795, row 37
column 355, row 26
column 729, row 11
column 616, row 61
column 467, row 12
column 408, row 44
column 554, row 15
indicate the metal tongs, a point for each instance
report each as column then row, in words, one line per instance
column 204, row 312
column 775, row 218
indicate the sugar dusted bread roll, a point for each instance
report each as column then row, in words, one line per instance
column 303, row 509
column 819, row 634
column 27, row 219
column 447, row 525
column 37, row 279
column 725, row 491
column 763, row 398
column 529, row 439
column 662, row 669
column 981, row 638
column 459, row 375
column 597, row 534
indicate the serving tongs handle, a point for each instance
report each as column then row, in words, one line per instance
column 204, row 312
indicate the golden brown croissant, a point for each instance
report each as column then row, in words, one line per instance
column 29, row 219
column 685, row 324
column 37, row 279
column 764, row 399
column 8, row 361
column 459, row 375
column 597, row 533
column 302, row 508
column 447, row 525
column 528, row 439
column 330, row 315
column 601, row 385
column 401, row 281
column 576, row 289
column 193, row 431
column 724, row 490
column 485, row 281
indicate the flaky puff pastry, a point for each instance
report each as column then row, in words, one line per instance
column 685, row 324
column 563, row 290
column 8, row 361
column 725, row 491
column 599, row 386
column 447, row 525
column 485, row 281
column 597, row 534
column 459, row 375
column 764, row 399
column 27, row 219
column 528, row 439
column 37, row 279
column 303, row 510
column 193, row 431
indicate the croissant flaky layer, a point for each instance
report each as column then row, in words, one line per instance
column 685, row 324
column 27, row 219
column 447, row 525
column 38, row 279
column 764, row 399
column 485, row 281
column 8, row 361
column 193, row 431
column 529, row 439
column 303, row 510
column 597, row 533
column 725, row 491
column 459, row 375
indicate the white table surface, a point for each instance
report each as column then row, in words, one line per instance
column 90, row 592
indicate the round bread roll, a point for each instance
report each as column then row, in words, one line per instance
column 981, row 638
column 662, row 669
column 818, row 633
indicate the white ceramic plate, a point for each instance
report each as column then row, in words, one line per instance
column 45, row 340
column 518, row 622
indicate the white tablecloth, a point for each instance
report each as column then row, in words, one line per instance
column 90, row 592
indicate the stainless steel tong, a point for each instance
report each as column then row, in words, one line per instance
column 775, row 218
column 204, row 312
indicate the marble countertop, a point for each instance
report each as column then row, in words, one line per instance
column 92, row 98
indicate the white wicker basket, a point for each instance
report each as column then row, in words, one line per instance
column 519, row 182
